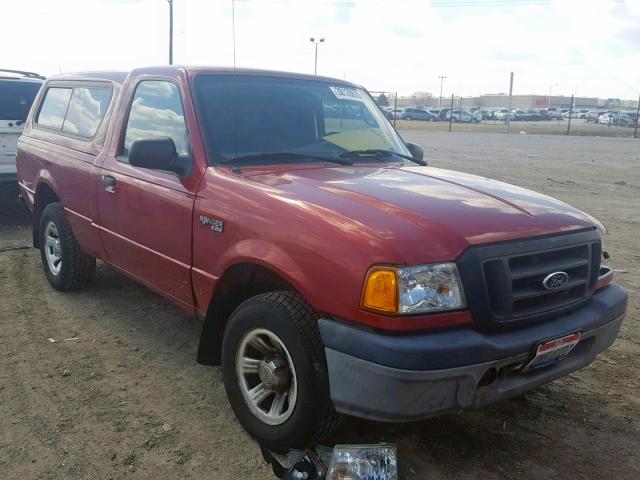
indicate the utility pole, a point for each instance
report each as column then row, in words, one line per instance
column 570, row 113
column 315, row 65
column 509, row 112
column 233, row 27
column 441, row 77
column 635, row 129
column 170, row 31
column 550, row 90
column 451, row 112
column 395, row 109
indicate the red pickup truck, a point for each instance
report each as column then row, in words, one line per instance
column 335, row 271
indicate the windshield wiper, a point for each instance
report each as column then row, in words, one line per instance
column 286, row 156
column 375, row 152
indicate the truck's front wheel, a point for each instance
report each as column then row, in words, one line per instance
column 275, row 372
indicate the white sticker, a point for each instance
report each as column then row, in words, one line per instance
column 347, row 93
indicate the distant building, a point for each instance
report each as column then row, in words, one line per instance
column 501, row 100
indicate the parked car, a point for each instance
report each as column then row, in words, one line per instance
column 623, row 120
column 543, row 114
column 501, row 114
column 299, row 238
column 592, row 116
column 444, row 113
column 482, row 114
column 397, row 112
column 605, row 118
column 463, row 116
column 17, row 91
column 555, row 113
column 419, row 114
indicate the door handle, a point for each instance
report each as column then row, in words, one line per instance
column 109, row 183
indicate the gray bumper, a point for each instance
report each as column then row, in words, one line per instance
column 369, row 390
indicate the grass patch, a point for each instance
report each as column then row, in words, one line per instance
column 536, row 128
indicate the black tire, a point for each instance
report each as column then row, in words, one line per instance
column 290, row 318
column 77, row 268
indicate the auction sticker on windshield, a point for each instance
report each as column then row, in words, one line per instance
column 346, row 93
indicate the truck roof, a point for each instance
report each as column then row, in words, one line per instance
column 171, row 70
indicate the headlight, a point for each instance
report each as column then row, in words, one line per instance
column 363, row 462
column 409, row 290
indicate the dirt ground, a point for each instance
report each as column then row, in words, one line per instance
column 127, row 400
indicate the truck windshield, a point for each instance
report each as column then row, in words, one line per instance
column 16, row 98
column 258, row 117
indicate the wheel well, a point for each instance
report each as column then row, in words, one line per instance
column 44, row 196
column 237, row 284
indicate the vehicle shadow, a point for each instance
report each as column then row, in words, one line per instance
column 12, row 212
column 554, row 431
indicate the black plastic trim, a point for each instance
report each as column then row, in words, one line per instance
column 467, row 346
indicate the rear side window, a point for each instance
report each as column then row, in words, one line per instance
column 77, row 111
column 54, row 108
column 156, row 111
column 16, row 98
column 86, row 111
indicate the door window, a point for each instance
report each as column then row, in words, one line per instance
column 156, row 111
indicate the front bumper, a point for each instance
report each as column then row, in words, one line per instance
column 403, row 378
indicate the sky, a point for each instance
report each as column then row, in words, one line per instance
column 586, row 47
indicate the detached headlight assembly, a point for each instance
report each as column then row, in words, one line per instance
column 413, row 290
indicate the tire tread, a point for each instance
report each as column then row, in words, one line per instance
column 79, row 267
column 305, row 320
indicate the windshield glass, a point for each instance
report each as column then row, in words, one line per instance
column 16, row 98
column 245, row 115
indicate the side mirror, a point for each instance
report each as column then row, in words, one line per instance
column 159, row 153
column 415, row 150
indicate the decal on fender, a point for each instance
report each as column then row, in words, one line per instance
column 216, row 225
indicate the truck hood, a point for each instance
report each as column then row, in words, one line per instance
column 450, row 210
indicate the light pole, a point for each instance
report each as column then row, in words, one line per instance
column 441, row 77
column 315, row 65
column 170, row 2
column 233, row 28
column 550, row 90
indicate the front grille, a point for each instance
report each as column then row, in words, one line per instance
column 515, row 283
column 512, row 276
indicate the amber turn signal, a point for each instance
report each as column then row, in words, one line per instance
column 381, row 290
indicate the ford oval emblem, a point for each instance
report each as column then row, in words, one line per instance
column 555, row 280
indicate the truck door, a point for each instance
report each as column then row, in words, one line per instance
column 145, row 215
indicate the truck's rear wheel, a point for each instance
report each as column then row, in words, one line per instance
column 275, row 372
column 65, row 265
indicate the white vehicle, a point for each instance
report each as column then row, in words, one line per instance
column 464, row 116
column 17, row 91
column 605, row 118
column 501, row 114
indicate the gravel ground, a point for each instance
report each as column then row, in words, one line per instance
column 127, row 400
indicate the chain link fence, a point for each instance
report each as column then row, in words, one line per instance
column 551, row 115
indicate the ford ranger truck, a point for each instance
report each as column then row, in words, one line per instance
column 335, row 272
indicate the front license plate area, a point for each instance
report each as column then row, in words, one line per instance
column 553, row 351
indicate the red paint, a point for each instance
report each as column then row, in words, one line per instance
column 321, row 227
